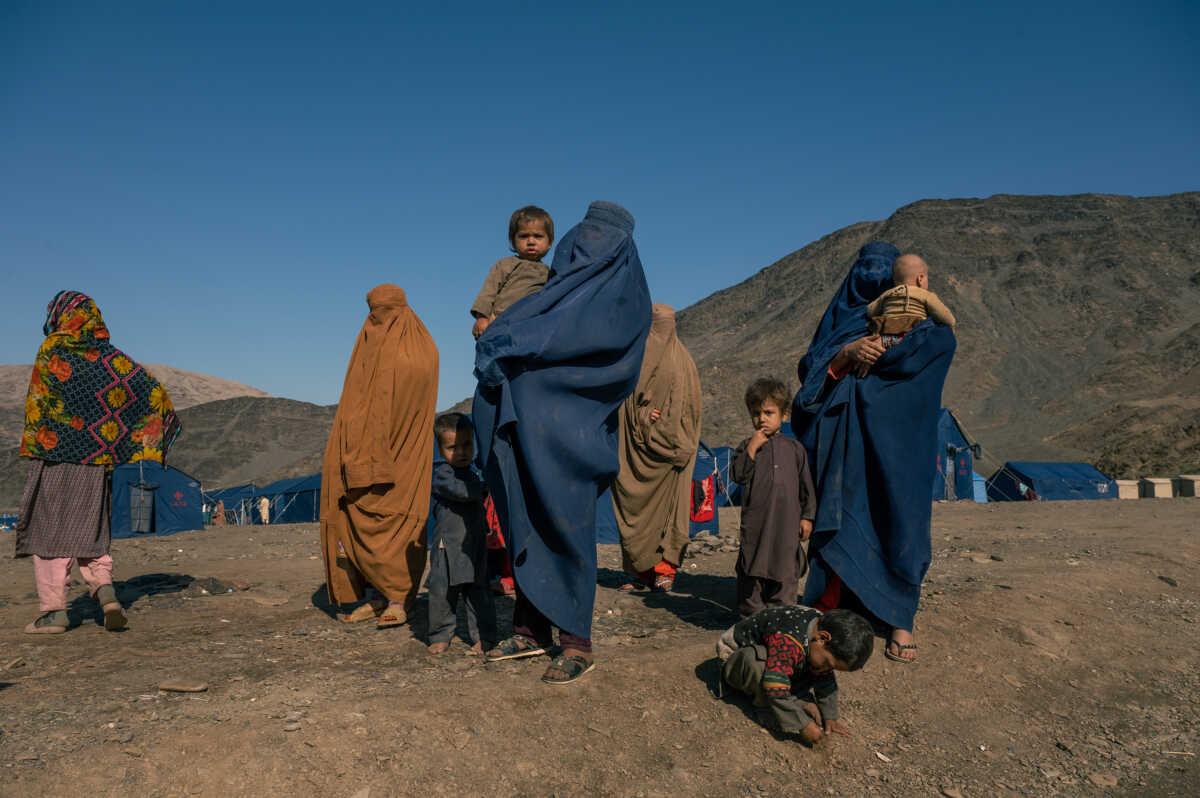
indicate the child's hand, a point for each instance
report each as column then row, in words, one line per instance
column 481, row 324
column 811, row 734
column 837, row 727
column 805, row 529
column 655, row 415
column 756, row 442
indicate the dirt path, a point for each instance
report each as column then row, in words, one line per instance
column 1058, row 657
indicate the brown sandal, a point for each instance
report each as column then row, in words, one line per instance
column 393, row 615
column 368, row 611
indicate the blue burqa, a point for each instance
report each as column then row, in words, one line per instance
column 872, row 447
column 553, row 369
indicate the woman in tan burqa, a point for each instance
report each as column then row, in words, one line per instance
column 378, row 464
column 660, row 432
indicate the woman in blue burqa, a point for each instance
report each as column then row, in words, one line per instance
column 553, row 371
column 872, row 446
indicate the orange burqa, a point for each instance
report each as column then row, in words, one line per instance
column 378, row 463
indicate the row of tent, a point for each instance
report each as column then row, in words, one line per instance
column 151, row 499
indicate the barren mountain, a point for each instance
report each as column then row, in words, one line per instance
column 186, row 388
column 1078, row 339
column 1078, row 334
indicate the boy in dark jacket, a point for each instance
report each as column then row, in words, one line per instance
column 458, row 546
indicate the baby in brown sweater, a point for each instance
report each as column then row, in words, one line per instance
column 906, row 305
column 530, row 234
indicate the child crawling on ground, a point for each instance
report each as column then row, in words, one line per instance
column 530, row 234
column 785, row 658
column 778, row 506
column 907, row 304
column 458, row 547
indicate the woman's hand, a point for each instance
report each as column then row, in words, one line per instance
column 864, row 351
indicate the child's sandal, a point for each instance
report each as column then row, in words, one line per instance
column 515, row 647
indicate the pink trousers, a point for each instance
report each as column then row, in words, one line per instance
column 52, row 575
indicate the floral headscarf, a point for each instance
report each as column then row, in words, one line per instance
column 88, row 401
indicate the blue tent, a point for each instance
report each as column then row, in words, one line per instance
column 148, row 499
column 237, row 502
column 293, row 501
column 1051, row 481
column 979, row 486
column 955, row 461
column 729, row 493
column 607, row 530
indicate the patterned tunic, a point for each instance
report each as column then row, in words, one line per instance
column 785, row 632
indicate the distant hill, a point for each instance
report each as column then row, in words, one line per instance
column 186, row 388
column 1079, row 328
column 1079, row 339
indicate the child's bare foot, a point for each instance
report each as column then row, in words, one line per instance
column 438, row 648
column 475, row 650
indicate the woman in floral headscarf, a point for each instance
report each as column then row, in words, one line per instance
column 90, row 407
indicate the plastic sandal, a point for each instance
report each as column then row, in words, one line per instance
column 574, row 669
column 515, row 647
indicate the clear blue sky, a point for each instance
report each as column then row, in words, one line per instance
column 228, row 180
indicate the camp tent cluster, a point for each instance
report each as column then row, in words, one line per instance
column 151, row 499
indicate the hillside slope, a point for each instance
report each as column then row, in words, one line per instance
column 1078, row 323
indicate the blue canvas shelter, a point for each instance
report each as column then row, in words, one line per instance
column 237, row 502
column 149, row 499
column 293, row 501
column 955, row 461
column 1051, row 481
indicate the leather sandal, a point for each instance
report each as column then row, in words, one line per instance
column 572, row 669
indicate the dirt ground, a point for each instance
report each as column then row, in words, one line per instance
column 1058, row 656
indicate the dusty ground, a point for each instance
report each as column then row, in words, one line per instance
column 1058, row 657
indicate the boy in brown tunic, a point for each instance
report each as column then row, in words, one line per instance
column 530, row 234
column 778, row 505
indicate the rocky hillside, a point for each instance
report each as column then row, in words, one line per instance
column 1079, row 339
column 1079, row 328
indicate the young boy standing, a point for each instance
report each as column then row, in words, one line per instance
column 458, row 548
column 530, row 234
column 778, row 506
column 783, row 654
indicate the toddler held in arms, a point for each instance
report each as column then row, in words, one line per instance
column 906, row 305
column 530, row 234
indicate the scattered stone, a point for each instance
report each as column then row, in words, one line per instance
column 133, row 753
column 1011, row 680
column 291, row 727
column 598, row 730
column 996, row 558
column 294, row 715
column 183, row 686
column 269, row 601
column 952, row 792
column 365, row 792
column 124, row 737
column 14, row 664
column 1168, row 580
column 874, row 772
column 1102, row 779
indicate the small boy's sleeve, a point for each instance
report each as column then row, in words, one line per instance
column 741, row 465
column 449, row 486
column 825, row 690
column 938, row 311
column 485, row 303
column 808, row 493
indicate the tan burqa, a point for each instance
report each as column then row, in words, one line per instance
column 652, row 492
column 378, row 463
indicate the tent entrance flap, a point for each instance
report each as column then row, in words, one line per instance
column 141, row 507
